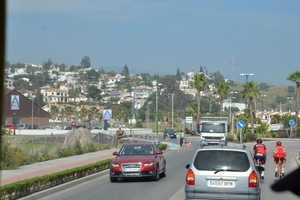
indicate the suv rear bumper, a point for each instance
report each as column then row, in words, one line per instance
column 192, row 194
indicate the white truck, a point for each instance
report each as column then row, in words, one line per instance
column 213, row 130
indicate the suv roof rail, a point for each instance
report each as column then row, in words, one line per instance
column 201, row 145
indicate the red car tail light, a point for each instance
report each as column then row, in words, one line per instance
column 190, row 177
column 253, row 180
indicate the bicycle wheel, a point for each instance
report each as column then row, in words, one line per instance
column 279, row 169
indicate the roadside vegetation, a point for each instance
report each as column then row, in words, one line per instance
column 15, row 154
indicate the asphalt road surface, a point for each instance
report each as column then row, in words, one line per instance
column 171, row 187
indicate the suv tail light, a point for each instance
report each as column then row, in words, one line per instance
column 190, row 177
column 253, row 180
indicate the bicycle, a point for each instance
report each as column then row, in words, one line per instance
column 260, row 168
column 279, row 171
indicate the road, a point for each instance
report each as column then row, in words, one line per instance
column 172, row 186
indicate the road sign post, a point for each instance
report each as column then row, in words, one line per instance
column 241, row 125
column 292, row 123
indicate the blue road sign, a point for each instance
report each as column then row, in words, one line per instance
column 291, row 122
column 107, row 114
column 241, row 124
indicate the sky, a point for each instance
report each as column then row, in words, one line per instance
column 160, row 36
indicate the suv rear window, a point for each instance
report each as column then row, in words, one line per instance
column 213, row 160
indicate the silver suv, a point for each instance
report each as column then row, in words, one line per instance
column 222, row 172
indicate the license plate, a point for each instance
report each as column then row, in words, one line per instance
column 131, row 169
column 215, row 183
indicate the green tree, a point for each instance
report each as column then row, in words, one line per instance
column 93, row 75
column 85, row 62
column 47, row 64
column 276, row 119
column 74, row 68
column 264, row 86
column 93, row 93
column 217, row 77
column 54, row 112
column 84, row 114
column 262, row 129
column 21, row 85
column 178, row 75
column 200, row 83
column 250, row 91
column 69, row 112
column 295, row 77
column 73, row 94
column 222, row 90
column 38, row 100
column 125, row 71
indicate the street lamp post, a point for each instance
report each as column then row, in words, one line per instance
column 290, row 100
column 14, row 123
column 262, row 103
column 246, row 75
column 172, row 110
column 32, row 113
column 156, row 118
column 184, row 109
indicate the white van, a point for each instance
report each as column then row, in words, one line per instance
column 23, row 126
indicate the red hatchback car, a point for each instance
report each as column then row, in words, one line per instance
column 140, row 159
column 11, row 127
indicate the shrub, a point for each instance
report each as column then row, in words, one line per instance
column 162, row 146
column 282, row 134
column 139, row 124
column 230, row 138
column 251, row 137
column 11, row 157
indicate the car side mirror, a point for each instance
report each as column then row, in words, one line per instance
column 115, row 153
column 188, row 166
column 159, row 152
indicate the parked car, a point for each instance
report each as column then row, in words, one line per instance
column 222, row 172
column 33, row 127
column 170, row 133
column 68, row 128
column 23, row 126
column 11, row 126
column 80, row 126
column 193, row 132
column 138, row 159
column 96, row 130
column 46, row 128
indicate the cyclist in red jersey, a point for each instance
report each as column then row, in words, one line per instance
column 260, row 153
column 279, row 153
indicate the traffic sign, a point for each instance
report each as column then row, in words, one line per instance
column 15, row 102
column 189, row 120
column 291, row 122
column 241, row 124
column 107, row 114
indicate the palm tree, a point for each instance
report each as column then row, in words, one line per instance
column 250, row 91
column 199, row 82
column 295, row 77
column 69, row 112
column 222, row 90
column 54, row 112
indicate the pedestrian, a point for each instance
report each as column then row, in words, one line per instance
column 181, row 135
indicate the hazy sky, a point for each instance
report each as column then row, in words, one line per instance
column 160, row 36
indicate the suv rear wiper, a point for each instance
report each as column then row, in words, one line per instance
column 229, row 170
